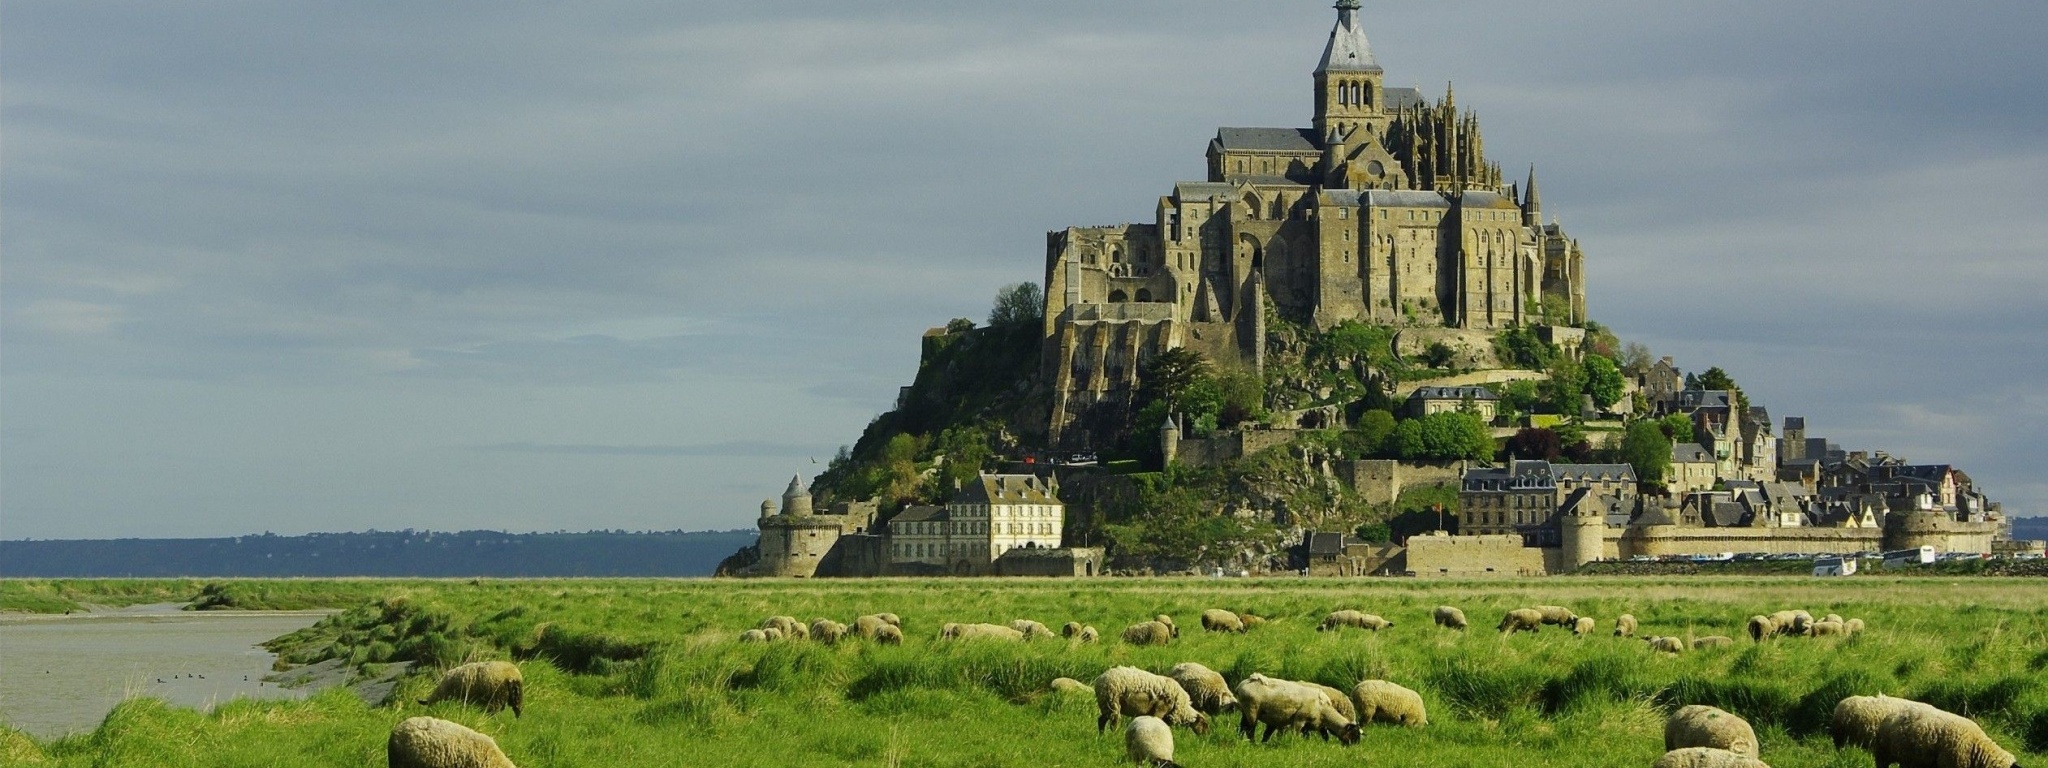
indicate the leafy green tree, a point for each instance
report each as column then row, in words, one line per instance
column 1521, row 348
column 1371, row 435
column 1519, row 396
column 1168, row 377
column 1447, row 435
column 1647, row 449
column 1603, row 381
column 1677, row 426
column 1439, row 355
column 1374, row 532
column 959, row 325
column 1567, row 382
column 1018, row 304
column 1716, row 379
column 1635, row 358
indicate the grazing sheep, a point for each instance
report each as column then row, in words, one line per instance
column 828, row 631
column 788, row 624
column 754, row 636
column 1088, row 635
column 1712, row 641
column 1582, row 626
column 1284, row 706
column 865, row 627
column 1557, row 614
column 1351, row 618
column 1625, row 625
column 1070, row 629
column 889, row 635
column 1854, row 626
column 1826, row 629
column 1800, row 621
column 1856, row 718
column 1168, row 621
column 1149, row 742
column 965, row 632
column 1132, row 691
column 1207, row 691
column 1698, row 725
column 1760, row 627
column 1251, row 622
column 1385, row 702
column 1032, row 630
column 1219, row 620
column 1706, row 757
column 493, row 685
column 428, row 742
column 1449, row 617
column 774, row 635
column 1834, row 617
column 1665, row 644
column 1521, row 620
column 1931, row 738
column 893, row 619
column 1148, row 633
column 1339, row 699
column 1070, row 685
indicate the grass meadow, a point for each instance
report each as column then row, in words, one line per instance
column 648, row 673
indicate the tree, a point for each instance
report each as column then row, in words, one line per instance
column 1168, row 376
column 1018, row 304
column 1519, row 396
column 1716, row 379
column 1603, row 381
column 1535, row 443
column 1677, row 426
column 1439, row 355
column 1635, row 358
column 1371, row 435
column 1567, row 383
column 959, row 325
column 1447, row 435
column 1647, row 449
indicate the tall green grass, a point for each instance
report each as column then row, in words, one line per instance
column 647, row 672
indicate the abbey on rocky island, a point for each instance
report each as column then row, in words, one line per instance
column 1385, row 210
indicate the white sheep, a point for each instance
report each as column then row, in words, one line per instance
column 1625, row 625
column 1148, row 633
column 492, row 685
column 1857, row 718
column 1283, row 705
column 1665, row 644
column 791, row 628
column 1521, row 620
column 1219, row 620
column 1351, row 618
column 1558, row 615
column 964, row 632
column 1854, row 626
column 1032, row 630
column 1149, row 742
column 1168, row 621
column 1450, row 617
column 428, row 742
column 1760, row 627
column 1930, row 738
column 754, row 636
column 1087, row 635
column 1132, row 691
column 865, row 627
column 1826, row 629
column 828, row 631
column 1698, row 725
column 1206, row 689
column 1070, row 629
column 1582, row 626
column 1706, row 757
column 889, row 634
column 1070, row 685
column 1385, row 702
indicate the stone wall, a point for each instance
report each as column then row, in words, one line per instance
column 1357, row 560
column 1443, row 555
column 1380, row 481
column 1064, row 561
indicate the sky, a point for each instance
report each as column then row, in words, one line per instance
column 320, row 266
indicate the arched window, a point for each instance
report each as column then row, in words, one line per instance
column 1118, row 297
column 1365, row 95
column 1144, row 294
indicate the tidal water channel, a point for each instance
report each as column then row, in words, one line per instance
column 62, row 674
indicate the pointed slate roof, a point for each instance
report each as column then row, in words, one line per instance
column 1348, row 50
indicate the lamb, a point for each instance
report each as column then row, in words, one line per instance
column 1148, row 633
column 1800, row 621
column 1760, row 627
column 1168, row 621
column 1032, row 630
column 1521, row 620
column 1557, row 614
column 754, row 636
column 788, row 624
column 828, row 631
column 1088, row 635
column 1070, row 685
column 1834, row 617
column 1712, row 641
column 1698, row 725
column 1251, row 622
column 867, row 626
column 1133, row 691
column 1826, row 629
column 1070, row 629
column 1351, row 618
column 1385, row 702
column 1706, row 757
column 1583, row 626
column 1930, row 738
column 774, row 635
column 1450, row 617
column 428, row 742
column 964, row 632
column 889, row 634
column 892, row 619
column 1149, row 742
column 493, row 685
column 1853, row 626
column 1284, row 705
column 1207, row 691
column 1665, row 644
column 1219, row 620
column 1625, row 625
column 1856, row 718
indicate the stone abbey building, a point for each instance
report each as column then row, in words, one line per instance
column 1384, row 210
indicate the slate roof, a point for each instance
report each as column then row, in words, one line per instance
column 1269, row 139
column 1703, row 398
column 1483, row 198
column 1401, row 98
column 1006, row 489
column 1325, row 543
column 1517, row 476
column 1348, row 50
column 1690, row 453
column 1453, row 393
column 919, row 514
column 1404, row 198
column 1202, row 190
column 1594, row 472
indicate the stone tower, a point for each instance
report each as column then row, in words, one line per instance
column 1169, row 439
column 796, row 501
column 1583, row 527
column 1348, row 93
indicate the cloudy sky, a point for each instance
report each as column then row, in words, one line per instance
column 336, row 266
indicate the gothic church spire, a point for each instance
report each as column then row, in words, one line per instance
column 1348, row 50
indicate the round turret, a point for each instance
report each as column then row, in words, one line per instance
column 796, row 502
column 767, row 507
column 1583, row 535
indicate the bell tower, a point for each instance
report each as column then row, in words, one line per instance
column 1348, row 94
